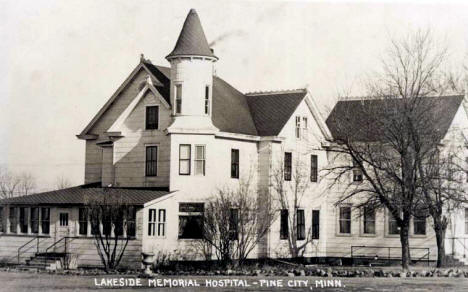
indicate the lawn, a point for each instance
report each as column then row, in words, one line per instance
column 16, row 281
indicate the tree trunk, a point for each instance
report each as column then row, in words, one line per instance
column 405, row 248
column 440, row 230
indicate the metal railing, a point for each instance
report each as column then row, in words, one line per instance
column 385, row 252
column 462, row 243
column 26, row 244
column 64, row 239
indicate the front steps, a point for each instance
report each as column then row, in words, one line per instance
column 50, row 261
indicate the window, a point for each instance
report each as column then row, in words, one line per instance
column 313, row 168
column 13, row 220
column 178, row 98
column 106, row 223
column 392, row 225
column 300, row 225
column 357, row 173
column 287, row 165
column 152, row 117
column 315, row 224
column 131, row 218
column 23, row 220
column 83, row 221
column 45, row 220
column 234, row 163
column 466, row 220
column 304, row 121
column 152, row 222
column 35, row 220
column 200, row 160
column 298, row 127
column 369, row 220
column 1, row 220
column 184, row 159
column 345, row 220
column 162, row 222
column 63, row 219
column 284, row 227
column 419, row 223
column 151, row 160
column 191, row 220
column 207, row 99
column 233, row 224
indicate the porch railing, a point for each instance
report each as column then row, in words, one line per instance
column 388, row 253
column 28, row 246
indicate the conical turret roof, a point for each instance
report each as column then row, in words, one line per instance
column 192, row 40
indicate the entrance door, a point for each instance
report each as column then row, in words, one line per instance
column 63, row 224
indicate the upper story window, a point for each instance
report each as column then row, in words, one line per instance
column 151, row 165
column 357, row 172
column 152, row 117
column 313, row 168
column 207, row 100
column 345, row 220
column 298, row 127
column 287, row 165
column 234, row 163
column 178, row 98
column 184, row 159
column 199, row 159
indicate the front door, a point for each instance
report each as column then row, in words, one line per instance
column 63, row 224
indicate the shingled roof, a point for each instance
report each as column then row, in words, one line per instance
column 271, row 111
column 80, row 195
column 356, row 119
column 192, row 40
column 230, row 112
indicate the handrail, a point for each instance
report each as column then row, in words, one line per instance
column 465, row 248
column 65, row 238
column 357, row 247
column 21, row 247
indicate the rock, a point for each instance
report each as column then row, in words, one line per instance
column 290, row 274
column 403, row 275
column 302, row 273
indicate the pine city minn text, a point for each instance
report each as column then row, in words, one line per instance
column 174, row 282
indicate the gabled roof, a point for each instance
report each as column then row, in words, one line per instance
column 80, row 195
column 356, row 118
column 271, row 110
column 192, row 40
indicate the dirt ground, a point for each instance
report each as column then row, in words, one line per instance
column 15, row 281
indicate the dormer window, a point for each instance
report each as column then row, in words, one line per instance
column 178, row 98
column 207, row 100
column 152, row 117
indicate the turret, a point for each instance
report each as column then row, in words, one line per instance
column 192, row 79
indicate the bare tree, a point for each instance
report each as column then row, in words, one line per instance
column 62, row 182
column 387, row 138
column 15, row 184
column 112, row 223
column 235, row 222
column 290, row 182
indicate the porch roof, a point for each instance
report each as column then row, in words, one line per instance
column 80, row 195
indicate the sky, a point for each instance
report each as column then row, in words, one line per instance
column 60, row 61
